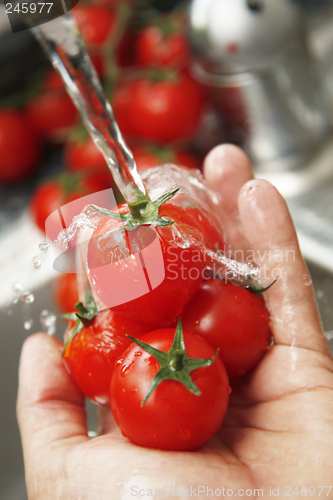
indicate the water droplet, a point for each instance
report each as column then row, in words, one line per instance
column 36, row 262
column 320, row 294
column 92, row 434
column 134, row 390
column 44, row 246
column 28, row 324
column 119, row 361
column 27, row 297
column 17, row 288
column 307, row 280
column 329, row 335
column 138, row 353
column 48, row 321
column 124, row 370
column 123, row 390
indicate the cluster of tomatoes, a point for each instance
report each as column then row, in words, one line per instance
column 142, row 59
column 163, row 360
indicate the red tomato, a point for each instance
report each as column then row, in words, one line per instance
column 65, row 292
column 149, row 157
column 95, row 23
column 51, row 113
column 188, row 160
column 172, row 417
column 232, row 319
column 53, row 81
column 154, row 48
column 84, row 155
column 19, row 147
column 91, row 354
column 98, row 61
column 156, row 294
column 53, row 194
column 163, row 111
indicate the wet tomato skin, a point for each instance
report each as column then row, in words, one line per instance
column 65, row 292
column 90, row 356
column 172, row 418
column 183, row 268
column 233, row 319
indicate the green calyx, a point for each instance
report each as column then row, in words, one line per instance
column 84, row 316
column 261, row 289
column 156, row 75
column 168, row 25
column 174, row 364
column 142, row 212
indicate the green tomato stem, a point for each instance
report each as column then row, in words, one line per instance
column 174, row 364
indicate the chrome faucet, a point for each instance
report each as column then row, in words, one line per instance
column 254, row 58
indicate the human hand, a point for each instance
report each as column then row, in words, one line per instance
column 279, row 427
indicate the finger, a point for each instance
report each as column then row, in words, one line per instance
column 271, row 234
column 50, row 407
column 227, row 169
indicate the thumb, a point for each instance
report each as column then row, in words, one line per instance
column 50, row 408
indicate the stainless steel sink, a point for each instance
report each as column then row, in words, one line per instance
column 12, row 335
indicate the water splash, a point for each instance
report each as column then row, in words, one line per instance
column 27, row 297
column 240, row 273
column 193, row 194
column 17, row 289
column 28, row 324
column 88, row 218
column 63, row 44
column 48, row 321
column 36, row 262
column 44, row 246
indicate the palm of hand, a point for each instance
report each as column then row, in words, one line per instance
column 271, row 437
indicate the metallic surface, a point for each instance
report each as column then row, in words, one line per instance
column 261, row 79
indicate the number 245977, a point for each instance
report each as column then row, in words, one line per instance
column 26, row 7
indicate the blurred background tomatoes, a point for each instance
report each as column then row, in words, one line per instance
column 140, row 52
